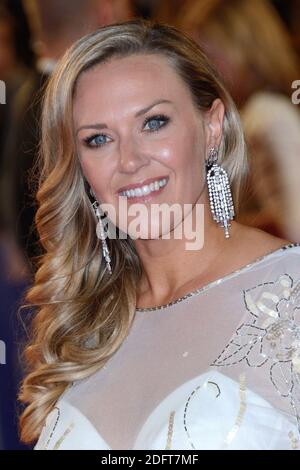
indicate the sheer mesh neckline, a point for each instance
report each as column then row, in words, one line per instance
column 217, row 281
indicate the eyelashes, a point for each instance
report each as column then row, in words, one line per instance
column 159, row 117
column 93, row 140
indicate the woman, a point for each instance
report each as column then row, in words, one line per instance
column 140, row 342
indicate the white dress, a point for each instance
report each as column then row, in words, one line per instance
column 217, row 369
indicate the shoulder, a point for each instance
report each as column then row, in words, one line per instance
column 66, row 428
column 250, row 243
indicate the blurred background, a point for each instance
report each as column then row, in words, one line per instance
column 255, row 46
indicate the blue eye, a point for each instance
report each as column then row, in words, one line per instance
column 96, row 140
column 156, row 122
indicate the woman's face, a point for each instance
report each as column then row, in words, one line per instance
column 138, row 130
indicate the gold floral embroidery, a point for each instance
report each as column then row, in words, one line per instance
column 170, row 430
column 62, row 438
column 241, row 413
column 271, row 337
column 294, row 440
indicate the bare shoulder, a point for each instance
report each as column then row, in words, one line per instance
column 253, row 242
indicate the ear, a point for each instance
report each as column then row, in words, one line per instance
column 214, row 123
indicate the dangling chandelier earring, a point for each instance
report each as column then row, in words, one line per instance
column 100, row 233
column 220, row 196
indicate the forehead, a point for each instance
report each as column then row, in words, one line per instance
column 136, row 76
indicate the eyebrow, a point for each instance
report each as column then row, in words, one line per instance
column 139, row 113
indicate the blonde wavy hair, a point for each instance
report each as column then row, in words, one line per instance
column 82, row 313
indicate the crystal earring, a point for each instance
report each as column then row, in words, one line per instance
column 101, row 234
column 220, row 196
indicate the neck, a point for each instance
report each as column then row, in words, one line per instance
column 168, row 266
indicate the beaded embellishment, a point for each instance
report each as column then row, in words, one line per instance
column 218, row 281
column 271, row 336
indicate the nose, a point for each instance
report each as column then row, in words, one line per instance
column 131, row 156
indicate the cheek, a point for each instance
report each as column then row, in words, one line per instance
column 180, row 149
column 98, row 174
column 189, row 163
column 185, row 154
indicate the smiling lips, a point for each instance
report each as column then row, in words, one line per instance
column 152, row 186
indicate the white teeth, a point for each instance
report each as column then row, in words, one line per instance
column 145, row 190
